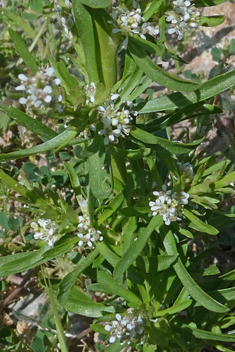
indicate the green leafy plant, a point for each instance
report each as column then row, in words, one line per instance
column 102, row 186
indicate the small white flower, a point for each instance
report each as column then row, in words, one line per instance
column 128, row 328
column 46, row 230
column 132, row 22
column 86, row 233
column 168, row 205
column 183, row 17
column 90, row 91
column 116, row 121
column 187, row 169
column 39, row 92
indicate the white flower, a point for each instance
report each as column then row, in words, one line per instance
column 86, row 133
column 183, row 17
column 128, row 328
column 131, row 22
column 168, row 205
column 116, row 121
column 90, row 91
column 47, row 231
column 40, row 93
column 187, row 169
column 87, row 234
column 66, row 18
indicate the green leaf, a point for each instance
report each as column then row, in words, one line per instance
column 27, row 57
column 153, row 8
column 70, row 279
column 199, row 225
column 211, row 21
column 108, row 285
column 206, row 3
column 228, row 294
column 63, row 74
column 16, row 263
column 74, row 182
column 157, row 263
column 226, row 180
column 81, row 304
column 85, row 26
column 115, row 347
column 31, row 124
column 96, row 3
column 190, row 285
column 41, row 148
column 107, row 47
column 34, row 197
column 109, row 255
column 132, row 154
column 130, row 84
column 59, row 327
column 155, row 72
column 207, row 90
column 207, row 335
column 157, row 49
column 136, row 248
column 100, row 181
column 111, row 208
column 174, row 309
column 142, row 86
column 172, row 147
column 61, row 248
column 3, row 221
column 24, row 25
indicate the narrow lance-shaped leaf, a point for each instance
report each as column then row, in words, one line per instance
column 28, row 122
column 107, row 253
column 80, row 303
column 157, row 74
column 100, row 181
column 207, row 90
column 172, row 147
column 96, row 3
column 134, row 251
column 211, row 21
column 107, row 48
column 111, row 208
column 207, row 335
column 70, row 279
column 59, row 327
column 85, row 26
column 174, row 309
column 41, row 148
column 191, row 286
column 27, row 57
column 200, row 225
column 206, row 3
column 22, row 190
column 26, row 27
column 22, row 264
column 108, row 285
column 74, row 182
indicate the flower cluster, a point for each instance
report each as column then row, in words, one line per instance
column 87, row 234
column 66, row 19
column 39, row 89
column 116, row 121
column 186, row 169
column 90, row 91
column 129, row 328
column 131, row 22
column 169, row 205
column 183, row 17
column 46, row 230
